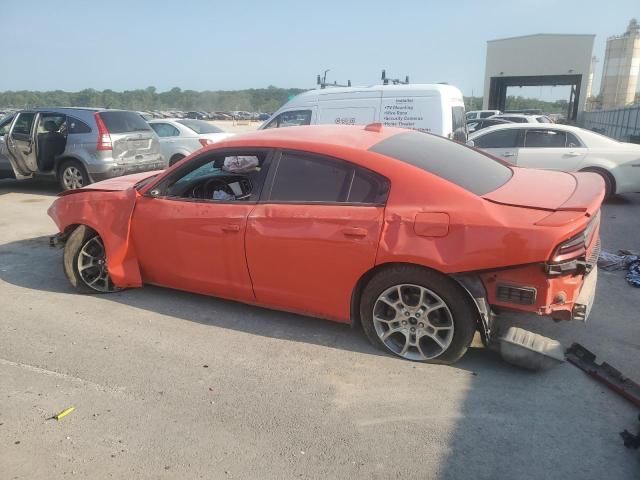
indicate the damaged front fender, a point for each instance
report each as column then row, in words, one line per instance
column 109, row 214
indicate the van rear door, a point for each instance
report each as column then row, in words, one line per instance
column 133, row 141
column 20, row 145
column 412, row 108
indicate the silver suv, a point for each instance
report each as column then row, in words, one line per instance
column 77, row 145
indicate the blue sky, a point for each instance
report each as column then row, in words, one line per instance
column 211, row 45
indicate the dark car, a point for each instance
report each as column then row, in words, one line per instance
column 195, row 116
column 480, row 123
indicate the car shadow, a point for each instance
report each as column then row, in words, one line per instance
column 35, row 186
column 33, row 264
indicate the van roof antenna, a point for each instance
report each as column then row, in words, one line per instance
column 393, row 81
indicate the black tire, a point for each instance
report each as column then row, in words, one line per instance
column 460, row 312
column 83, row 236
column 72, row 174
column 609, row 182
column 175, row 159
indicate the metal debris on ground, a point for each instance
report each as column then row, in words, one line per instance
column 630, row 440
column 62, row 414
column 605, row 373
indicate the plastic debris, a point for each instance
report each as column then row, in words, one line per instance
column 633, row 275
column 530, row 350
column 63, row 413
column 610, row 261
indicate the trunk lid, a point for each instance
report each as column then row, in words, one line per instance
column 132, row 138
column 551, row 190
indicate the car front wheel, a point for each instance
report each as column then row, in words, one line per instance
column 85, row 262
column 417, row 314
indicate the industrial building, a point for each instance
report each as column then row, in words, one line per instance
column 536, row 60
column 621, row 68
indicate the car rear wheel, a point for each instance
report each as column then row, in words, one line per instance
column 85, row 262
column 417, row 314
column 175, row 159
column 72, row 175
column 609, row 182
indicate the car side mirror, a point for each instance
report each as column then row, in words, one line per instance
column 471, row 143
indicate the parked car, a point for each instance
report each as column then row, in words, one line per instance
column 478, row 114
column 263, row 116
column 429, row 108
column 77, row 145
column 181, row 137
column 413, row 236
column 195, row 115
column 566, row 148
column 479, row 124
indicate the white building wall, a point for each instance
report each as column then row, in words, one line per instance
column 540, row 54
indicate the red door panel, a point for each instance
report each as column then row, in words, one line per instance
column 308, row 258
column 194, row 246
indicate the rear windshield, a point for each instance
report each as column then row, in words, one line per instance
column 124, row 122
column 459, row 164
column 200, row 126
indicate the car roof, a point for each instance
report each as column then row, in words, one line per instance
column 537, row 126
column 434, row 87
column 319, row 137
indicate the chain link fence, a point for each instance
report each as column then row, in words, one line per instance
column 622, row 123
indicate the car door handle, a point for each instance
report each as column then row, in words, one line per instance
column 508, row 154
column 573, row 154
column 230, row 228
column 354, row 232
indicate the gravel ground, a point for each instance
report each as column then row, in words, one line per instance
column 173, row 385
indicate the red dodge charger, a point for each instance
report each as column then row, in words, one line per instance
column 417, row 238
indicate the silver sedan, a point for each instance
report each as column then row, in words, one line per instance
column 180, row 137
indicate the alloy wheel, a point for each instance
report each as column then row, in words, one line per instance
column 92, row 266
column 72, row 177
column 413, row 322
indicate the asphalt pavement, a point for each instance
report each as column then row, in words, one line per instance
column 168, row 384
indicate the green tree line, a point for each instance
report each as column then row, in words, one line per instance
column 255, row 99
column 519, row 103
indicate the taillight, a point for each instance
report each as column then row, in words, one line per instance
column 205, row 141
column 571, row 249
column 104, row 139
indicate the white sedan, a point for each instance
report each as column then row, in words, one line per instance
column 180, row 137
column 566, row 148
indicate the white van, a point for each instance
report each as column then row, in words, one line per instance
column 436, row 109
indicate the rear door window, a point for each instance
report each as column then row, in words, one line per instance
column 309, row 178
column 458, row 164
column 573, row 141
column 507, row 138
column 544, row 139
column 124, row 122
column 165, row 130
column 77, row 126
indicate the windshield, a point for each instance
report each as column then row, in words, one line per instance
column 459, row 164
column 200, row 126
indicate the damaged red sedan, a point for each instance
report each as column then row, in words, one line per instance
column 417, row 238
